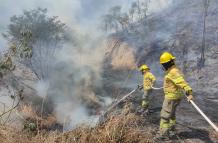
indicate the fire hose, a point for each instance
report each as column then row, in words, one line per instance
column 198, row 109
column 205, row 117
column 116, row 103
column 156, row 88
column 124, row 97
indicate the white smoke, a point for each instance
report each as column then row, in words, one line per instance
column 158, row 5
column 77, row 74
column 7, row 102
column 78, row 68
column 42, row 88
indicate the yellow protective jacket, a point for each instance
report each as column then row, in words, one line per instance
column 174, row 84
column 148, row 80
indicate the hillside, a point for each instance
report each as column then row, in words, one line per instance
column 67, row 74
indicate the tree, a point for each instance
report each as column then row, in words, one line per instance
column 111, row 20
column 138, row 10
column 108, row 23
column 35, row 38
column 201, row 61
column 116, row 20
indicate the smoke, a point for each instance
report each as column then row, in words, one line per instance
column 77, row 68
column 6, row 101
column 72, row 115
column 6, row 104
column 76, row 80
column 42, row 88
column 158, row 5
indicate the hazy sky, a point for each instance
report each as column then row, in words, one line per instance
column 82, row 12
column 85, row 13
column 68, row 10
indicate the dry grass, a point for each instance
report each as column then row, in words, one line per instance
column 43, row 123
column 12, row 135
column 122, row 56
column 125, row 127
column 122, row 128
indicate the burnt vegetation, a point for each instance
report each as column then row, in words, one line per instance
column 187, row 29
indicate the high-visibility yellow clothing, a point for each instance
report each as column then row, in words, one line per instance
column 174, row 83
column 148, row 80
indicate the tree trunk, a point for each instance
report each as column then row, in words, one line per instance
column 203, row 46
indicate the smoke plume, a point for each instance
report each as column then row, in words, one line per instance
column 75, row 81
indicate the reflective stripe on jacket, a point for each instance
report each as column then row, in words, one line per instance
column 148, row 80
column 174, row 83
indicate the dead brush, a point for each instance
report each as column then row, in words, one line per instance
column 115, row 128
column 12, row 135
column 27, row 111
column 42, row 123
column 120, row 128
column 81, row 134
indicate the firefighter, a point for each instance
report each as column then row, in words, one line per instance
column 148, row 81
column 174, row 86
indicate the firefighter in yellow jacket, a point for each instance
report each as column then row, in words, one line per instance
column 148, row 81
column 174, row 85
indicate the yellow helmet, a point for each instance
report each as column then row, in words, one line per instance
column 143, row 67
column 166, row 57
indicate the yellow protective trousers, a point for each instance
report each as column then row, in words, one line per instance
column 145, row 99
column 168, row 115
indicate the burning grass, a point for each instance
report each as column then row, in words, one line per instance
column 120, row 128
